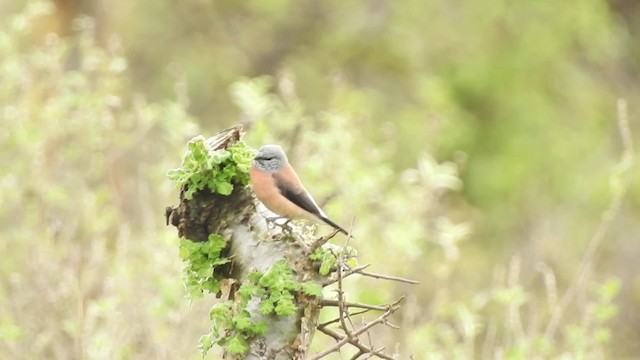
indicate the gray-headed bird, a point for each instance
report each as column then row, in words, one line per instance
column 280, row 190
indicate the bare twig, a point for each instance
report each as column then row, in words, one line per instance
column 363, row 349
column 349, row 235
column 342, row 309
column 359, row 270
column 352, row 305
column 624, row 166
column 369, row 355
column 349, row 334
column 327, row 323
column 353, row 340
column 388, row 277
column 392, row 325
column 346, row 274
column 321, row 241
column 369, row 339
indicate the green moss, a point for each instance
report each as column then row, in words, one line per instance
column 218, row 171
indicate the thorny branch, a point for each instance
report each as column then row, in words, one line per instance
column 321, row 241
column 342, row 309
column 325, row 324
column 359, row 270
column 346, row 274
column 353, row 339
column 348, row 333
column 387, row 277
column 339, row 303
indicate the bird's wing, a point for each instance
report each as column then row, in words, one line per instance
column 296, row 193
column 290, row 187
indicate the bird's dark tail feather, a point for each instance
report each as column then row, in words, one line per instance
column 336, row 226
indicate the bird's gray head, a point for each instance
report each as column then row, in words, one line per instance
column 270, row 158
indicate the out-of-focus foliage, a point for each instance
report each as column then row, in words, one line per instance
column 472, row 142
column 85, row 273
column 413, row 230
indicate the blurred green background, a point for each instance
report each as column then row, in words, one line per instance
column 474, row 142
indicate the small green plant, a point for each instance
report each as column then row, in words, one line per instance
column 232, row 327
column 276, row 291
column 201, row 259
column 219, row 171
column 328, row 255
column 277, row 288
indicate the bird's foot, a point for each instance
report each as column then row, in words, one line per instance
column 285, row 226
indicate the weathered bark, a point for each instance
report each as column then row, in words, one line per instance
column 253, row 245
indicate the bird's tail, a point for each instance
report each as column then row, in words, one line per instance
column 336, row 226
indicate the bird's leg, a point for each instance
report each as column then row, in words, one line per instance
column 285, row 226
column 271, row 221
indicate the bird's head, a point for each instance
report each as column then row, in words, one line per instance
column 270, row 158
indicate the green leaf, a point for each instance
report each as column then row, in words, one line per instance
column 220, row 261
column 211, row 285
column 312, row 288
column 266, row 307
column 242, row 321
column 189, row 193
column 217, row 243
column 186, row 248
column 244, row 167
column 221, row 312
column 285, row 306
column 254, row 277
column 224, row 188
column 206, row 343
column 291, row 285
column 247, row 290
column 205, row 272
column 275, row 276
column 220, row 156
column 176, row 175
column 194, row 292
column 328, row 263
column 317, row 255
column 237, row 345
column 260, row 328
column 275, row 296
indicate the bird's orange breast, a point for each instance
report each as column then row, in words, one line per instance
column 265, row 188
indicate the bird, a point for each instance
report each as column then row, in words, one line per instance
column 279, row 188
